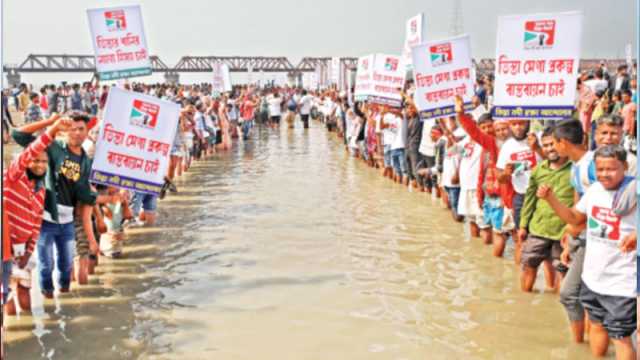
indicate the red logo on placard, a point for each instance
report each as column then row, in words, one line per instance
column 144, row 114
column 440, row 54
column 115, row 20
column 539, row 34
column 391, row 64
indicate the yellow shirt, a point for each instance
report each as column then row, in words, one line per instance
column 23, row 100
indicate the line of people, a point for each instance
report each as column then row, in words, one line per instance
column 512, row 179
column 563, row 191
column 55, row 218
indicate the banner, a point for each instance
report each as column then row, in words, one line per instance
column 119, row 43
column 135, row 140
column 441, row 70
column 537, row 60
column 221, row 79
column 380, row 79
column 414, row 35
column 364, row 77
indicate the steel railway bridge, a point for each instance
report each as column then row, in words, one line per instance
column 64, row 63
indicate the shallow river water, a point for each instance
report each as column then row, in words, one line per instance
column 286, row 248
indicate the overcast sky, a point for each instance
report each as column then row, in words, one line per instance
column 297, row 28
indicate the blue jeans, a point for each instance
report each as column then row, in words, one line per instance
column 387, row 156
column 399, row 162
column 62, row 236
column 454, row 197
column 6, row 278
column 144, row 201
column 246, row 126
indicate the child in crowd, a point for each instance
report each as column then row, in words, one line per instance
column 115, row 212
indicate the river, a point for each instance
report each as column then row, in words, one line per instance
column 287, row 248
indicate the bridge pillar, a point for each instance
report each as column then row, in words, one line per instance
column 172, row 77
column 13, row 78
column 294, row 78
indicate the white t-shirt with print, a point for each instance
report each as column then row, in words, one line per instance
column 525, row 159
column 389, row 133
column 607, row 270
column 427, row 146
column 400, row 137
column 451, row 164
column 469, row 164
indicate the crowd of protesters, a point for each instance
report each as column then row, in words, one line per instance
column 53, row 216
column 563, row 192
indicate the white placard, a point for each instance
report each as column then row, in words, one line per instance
column 364, row 77
column 441, row 70
column 221, row 81
column 136, row 136
column 119, row 43
column 380, row 79
column 414, row 35
column 537, row 60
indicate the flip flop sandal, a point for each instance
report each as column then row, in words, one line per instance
column 163, row 190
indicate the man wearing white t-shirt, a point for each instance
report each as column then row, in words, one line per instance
column 384, row 123
column 451, row 165
column 469, row 172
column 275, row 108
column 398, row 127
column 516, row 160
column 609, row 276
column 428, row 151
column 599, row 83
column 306, row 103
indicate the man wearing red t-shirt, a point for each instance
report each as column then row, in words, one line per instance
column 247, row 113
column 23, row 195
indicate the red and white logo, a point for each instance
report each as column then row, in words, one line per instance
column 440, row 54
column 539, row 34
column 115, row 20
column 144, row 114
column 391, row 64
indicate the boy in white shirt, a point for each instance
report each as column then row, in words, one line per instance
column 609, row 274
column 516, row 160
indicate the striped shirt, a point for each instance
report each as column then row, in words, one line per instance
column 23, row 199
